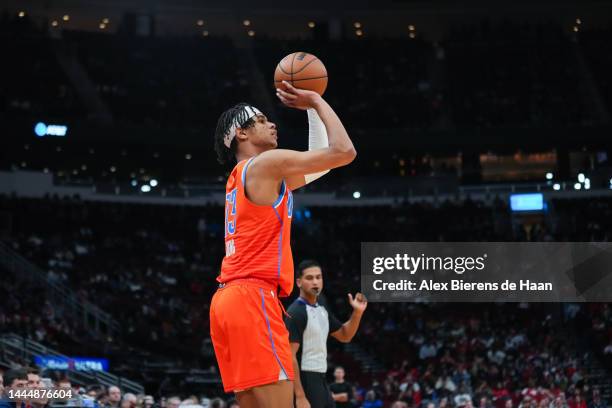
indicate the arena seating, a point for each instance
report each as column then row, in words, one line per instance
column 155, row 268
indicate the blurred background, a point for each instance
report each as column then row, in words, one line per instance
column 473, row 121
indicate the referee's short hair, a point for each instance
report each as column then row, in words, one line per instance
column 305, row 264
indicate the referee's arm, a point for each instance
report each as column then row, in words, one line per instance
column 296, row 324
column 347, row 331
column 300, row 396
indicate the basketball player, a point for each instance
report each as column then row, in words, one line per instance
column 249, row 336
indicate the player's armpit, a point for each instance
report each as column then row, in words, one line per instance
column 283, row 164
column 295, row 182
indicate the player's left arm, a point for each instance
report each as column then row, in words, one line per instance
column 348, row 330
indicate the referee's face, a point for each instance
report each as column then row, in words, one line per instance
column 311, row 282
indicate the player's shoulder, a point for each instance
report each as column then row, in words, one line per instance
column 233, row 175
column 237, row 167
column 273, row 156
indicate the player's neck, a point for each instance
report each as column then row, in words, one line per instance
column 246, row 151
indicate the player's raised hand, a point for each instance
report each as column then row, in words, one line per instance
column 359, row 302
column 297, row 98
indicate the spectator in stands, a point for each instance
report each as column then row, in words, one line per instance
column 34, row 382
column 500, row 392
column 428, row 350
column 15, row 379
column 64, row 383
column 463, row 397
column 445, row 384
column 173, row 402
column 114, row 397
column 148, row 401
column 129, row 400
column 597, row 402
column 577, row 402
column 560, row 401
column 217, row 403
column 96, row 392
column 371, row 401
column 342, row 392
column 484, row 403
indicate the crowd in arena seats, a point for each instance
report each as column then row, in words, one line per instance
column 386, row 80
column 593, row 43
column 94, row 395
column 584, row 220
column 32, row 315
column 514, row 74
column 464, row 354
column 154, row 268
column 486, row 75
column 161, row 82
column 599, row 326
column 33, row 84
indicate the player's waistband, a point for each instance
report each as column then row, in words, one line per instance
column 260, row 283
column 257, row 283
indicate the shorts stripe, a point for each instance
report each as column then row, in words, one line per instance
column 263, row 306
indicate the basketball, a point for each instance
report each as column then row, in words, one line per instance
column 302, row 70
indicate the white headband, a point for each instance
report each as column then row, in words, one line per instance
column 251, row 112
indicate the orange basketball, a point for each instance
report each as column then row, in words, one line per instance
column 302, row 70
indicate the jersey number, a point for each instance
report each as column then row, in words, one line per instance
column 230, row 213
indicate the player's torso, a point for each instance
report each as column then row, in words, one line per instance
column 257, row 237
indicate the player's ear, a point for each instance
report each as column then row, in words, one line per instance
column 241, row 134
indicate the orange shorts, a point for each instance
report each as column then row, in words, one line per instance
column 249, row 336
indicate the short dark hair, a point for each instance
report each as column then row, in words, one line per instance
column 305, row 264
column 235, row 114
column 15, row 374
column 32, row 370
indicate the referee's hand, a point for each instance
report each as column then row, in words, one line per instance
column 302, row 402
column 359, row 302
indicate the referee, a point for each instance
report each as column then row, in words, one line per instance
column 309, row 324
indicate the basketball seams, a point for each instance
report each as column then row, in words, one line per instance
column 286, row 70
column 280, row 66
column 292, row 61
column 307, row 64
column 307, row 79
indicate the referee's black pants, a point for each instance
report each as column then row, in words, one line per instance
column 316, row 390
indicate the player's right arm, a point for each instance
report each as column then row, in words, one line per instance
column 293, row 165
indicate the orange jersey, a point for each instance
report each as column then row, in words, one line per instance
column 257, row 237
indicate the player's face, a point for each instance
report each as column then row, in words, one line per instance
column 311, row 281
column 263, row 134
